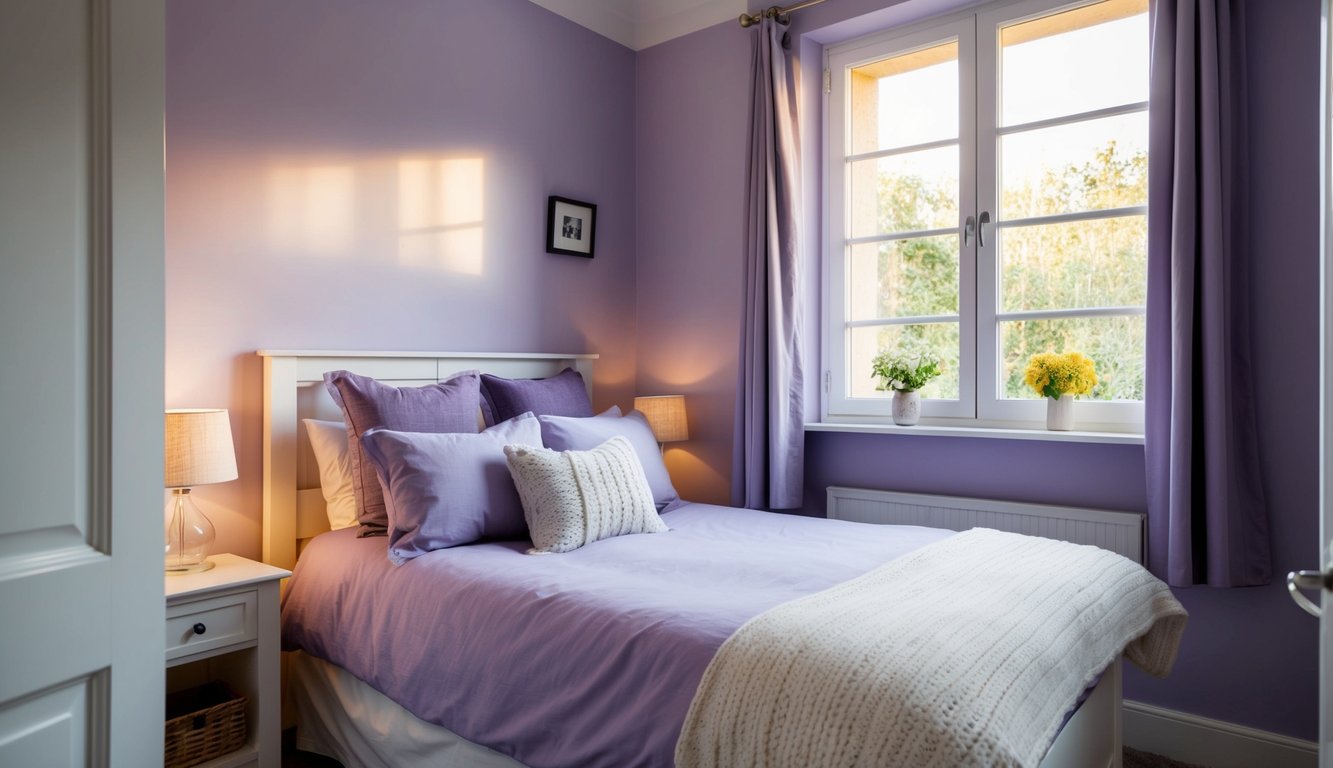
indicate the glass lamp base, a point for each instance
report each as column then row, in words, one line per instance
column 189, row 536
column 181, row 570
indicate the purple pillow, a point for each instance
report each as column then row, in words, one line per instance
column 561, row 433
column 443, row 490
column 563, row 394
column 449, row 406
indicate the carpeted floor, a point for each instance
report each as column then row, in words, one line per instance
column 291, row 758
column 1137, row 759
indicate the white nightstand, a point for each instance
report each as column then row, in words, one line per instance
column 222, row 624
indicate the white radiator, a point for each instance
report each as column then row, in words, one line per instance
column 1120, row 532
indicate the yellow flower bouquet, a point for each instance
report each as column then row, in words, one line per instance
column 1052, row 375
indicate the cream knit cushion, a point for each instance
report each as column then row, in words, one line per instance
column 573, row 498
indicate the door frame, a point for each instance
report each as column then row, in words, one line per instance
column 1325, row 554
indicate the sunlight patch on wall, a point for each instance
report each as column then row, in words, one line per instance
column 424, row 211
column 311, row 210
column 441, row 213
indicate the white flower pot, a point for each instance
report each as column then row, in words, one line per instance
column 1060, row 413
column 906, row 407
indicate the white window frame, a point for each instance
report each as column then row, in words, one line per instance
column 840, row 62
column 977, row 33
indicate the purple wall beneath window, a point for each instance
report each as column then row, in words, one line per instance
column 353, row 175
column 1249, row 655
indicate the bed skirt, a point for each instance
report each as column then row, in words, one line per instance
column 339, row 716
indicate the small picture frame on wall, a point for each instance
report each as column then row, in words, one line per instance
column 570, row 226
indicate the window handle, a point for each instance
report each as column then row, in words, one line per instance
column 981, row 228
column 969, row 226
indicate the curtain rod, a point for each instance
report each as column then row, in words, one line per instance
column 776, row 12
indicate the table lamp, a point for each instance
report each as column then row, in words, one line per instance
column 198, row 452
column 666, row 416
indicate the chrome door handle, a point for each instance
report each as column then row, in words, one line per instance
column 969, row 227
column 1298, row 580
column 982, row 221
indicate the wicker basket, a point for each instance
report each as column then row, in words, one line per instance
column 203, row 723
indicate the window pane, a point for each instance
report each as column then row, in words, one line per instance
column 904, row 278
column 1082, row 166
column 938, row 338
column 905, row 193
column 1076, row 265
column 1084, row 59
column 1115, row 344
column 926, row 79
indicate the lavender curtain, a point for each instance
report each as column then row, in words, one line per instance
column 770, row 442
column 1207, row 519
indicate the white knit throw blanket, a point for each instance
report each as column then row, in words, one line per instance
column 965, row 652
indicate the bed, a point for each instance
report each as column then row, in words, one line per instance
column 508, row 659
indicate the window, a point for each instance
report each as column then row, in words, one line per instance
column 987, row 200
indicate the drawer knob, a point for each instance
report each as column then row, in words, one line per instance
column 199, row 628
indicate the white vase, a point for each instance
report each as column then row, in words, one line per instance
column 1060, row 413
column 906, row 407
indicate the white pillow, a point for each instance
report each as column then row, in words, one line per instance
column 328, row 439
column 573, row 498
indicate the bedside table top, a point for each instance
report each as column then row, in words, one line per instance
column 228, row 571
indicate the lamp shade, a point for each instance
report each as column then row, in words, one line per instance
column 198, row 448
column 666, row 415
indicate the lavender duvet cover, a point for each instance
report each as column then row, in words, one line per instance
column 588, row 658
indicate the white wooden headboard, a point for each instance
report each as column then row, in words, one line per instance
column 294, row 390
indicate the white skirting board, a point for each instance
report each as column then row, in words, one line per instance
column 1212, row 743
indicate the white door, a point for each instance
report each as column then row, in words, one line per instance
column 1322, row 580
column 81, row 359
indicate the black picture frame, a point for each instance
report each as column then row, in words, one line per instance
column 571, row 226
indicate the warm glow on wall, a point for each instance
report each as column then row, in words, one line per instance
column 441, row 209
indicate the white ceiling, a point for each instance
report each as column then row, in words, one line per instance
column 638, row 24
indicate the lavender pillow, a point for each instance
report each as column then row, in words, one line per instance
column 443, row 490
column 563, row 394
column 449, row 406
column 561, row 433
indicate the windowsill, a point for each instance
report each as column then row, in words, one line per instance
column 994, row 433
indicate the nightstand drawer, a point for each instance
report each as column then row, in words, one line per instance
column 204, row 625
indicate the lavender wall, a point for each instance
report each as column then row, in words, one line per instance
column 1249, row 655
column 692, row 129
column 352, row 175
